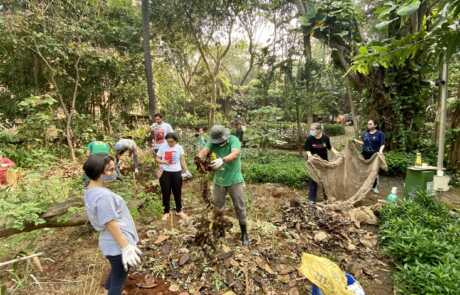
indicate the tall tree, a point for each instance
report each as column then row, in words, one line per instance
column 148, row 57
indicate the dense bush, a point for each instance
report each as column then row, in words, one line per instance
column 25, row 203
column 334, row 129
column 398, row 162
column 274, row 167
column 423, row 238
column 28, row 157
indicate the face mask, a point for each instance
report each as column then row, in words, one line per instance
column 313, row 132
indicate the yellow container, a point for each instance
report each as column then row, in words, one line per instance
column 418, row 159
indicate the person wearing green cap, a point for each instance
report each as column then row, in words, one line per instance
column 96, row 147
column 228, row 178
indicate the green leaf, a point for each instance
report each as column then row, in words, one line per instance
column 363, row 50
column 384, row 24
column 409, row 8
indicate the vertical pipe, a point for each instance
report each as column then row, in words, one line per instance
column 442, row 120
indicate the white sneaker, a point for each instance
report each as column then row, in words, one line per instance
column 375, row 190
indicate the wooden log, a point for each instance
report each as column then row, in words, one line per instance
column 53, row 218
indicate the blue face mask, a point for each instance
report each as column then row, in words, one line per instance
column 313, row 132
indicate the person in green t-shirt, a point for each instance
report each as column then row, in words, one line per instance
column 228, row 178
column 98, row 147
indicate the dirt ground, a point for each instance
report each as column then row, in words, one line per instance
column 72, row 263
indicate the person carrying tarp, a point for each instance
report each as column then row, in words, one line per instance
column 122, row 146
column 228, row 178
column 317, row 143
column 373, row 141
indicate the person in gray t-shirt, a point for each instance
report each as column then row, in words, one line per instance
column 109, row 215
column 123, row 145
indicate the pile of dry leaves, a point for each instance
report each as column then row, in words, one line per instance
column 203, row 255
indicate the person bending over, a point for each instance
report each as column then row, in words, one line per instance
column 228, row 178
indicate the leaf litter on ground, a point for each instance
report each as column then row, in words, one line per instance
column 203, row 255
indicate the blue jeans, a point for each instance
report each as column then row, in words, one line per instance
column 117, row 276
column 367, row 156
column 312, row 190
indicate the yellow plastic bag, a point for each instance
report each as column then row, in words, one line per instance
column 325, row 274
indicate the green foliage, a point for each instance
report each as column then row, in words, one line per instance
column 422, row 237
column 34, row 194
column 29, row 157
column 271, row 166
column 398, row 162
column 334, row 129
column 261, row 134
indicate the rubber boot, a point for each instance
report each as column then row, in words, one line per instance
column 244, row 235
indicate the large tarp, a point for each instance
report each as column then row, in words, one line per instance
column 348, row 177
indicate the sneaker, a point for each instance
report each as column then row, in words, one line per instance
column 165, row 217
column 375, row 190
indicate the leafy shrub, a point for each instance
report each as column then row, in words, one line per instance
column 334, row 129
column 398, row 162
column 34, row 194
column 8, row 136
column 423, row 238
column 28, row 158
column 274, row 167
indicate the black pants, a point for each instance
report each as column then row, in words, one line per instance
column 171, row 182
column 367, row 156
column 117, row 276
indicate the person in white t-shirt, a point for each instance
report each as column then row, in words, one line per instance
column 159, row 130
column 171, row 158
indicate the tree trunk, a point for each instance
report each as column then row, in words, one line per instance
column 35, row 71
column 148, row 58
column 69, row 131
column 308, row 58
column 353, row 113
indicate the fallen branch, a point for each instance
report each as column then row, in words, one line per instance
column 53, row 217
column 20, row 259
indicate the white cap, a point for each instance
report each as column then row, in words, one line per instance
column 394, row 190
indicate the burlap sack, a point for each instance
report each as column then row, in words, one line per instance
column 347, row 178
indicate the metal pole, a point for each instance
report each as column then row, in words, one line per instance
column 442, row 120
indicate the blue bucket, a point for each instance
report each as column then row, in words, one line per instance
column 317, row 291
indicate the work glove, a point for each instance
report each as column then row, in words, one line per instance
column 130, row 256
column 186, row 175
column 217, row 163
column 136, row 171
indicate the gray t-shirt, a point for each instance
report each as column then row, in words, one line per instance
column 102, row 206
column 125, row 144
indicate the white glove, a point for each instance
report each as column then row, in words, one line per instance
column 130, row 256
column 217, row 163
column 136, row 171
column 186, row 175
